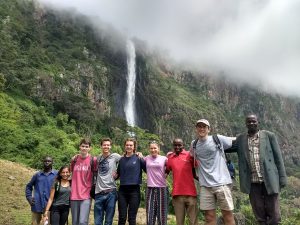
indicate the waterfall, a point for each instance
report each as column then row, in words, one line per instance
column 131, row 78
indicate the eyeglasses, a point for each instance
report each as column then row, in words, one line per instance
column 153, row 142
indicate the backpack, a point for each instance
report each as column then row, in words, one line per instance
column 218, row 144
column 231, row 169
column 57, row 189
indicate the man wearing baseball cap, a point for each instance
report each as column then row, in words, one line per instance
column 214, row 177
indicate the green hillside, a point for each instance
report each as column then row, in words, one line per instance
column 62, row 79
column 62, row 66
column 28, row 133
column 45, row 99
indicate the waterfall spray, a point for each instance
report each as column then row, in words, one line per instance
column 131, row 79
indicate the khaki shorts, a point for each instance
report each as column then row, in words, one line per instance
column 221, row 195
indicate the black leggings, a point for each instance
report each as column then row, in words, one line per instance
column 129, row 198
column 59, row 214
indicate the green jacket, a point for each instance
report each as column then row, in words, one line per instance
column 273, row 170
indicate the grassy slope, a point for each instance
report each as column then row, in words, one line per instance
column 13, row 204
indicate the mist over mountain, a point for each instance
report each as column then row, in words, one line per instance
column 252, row 42
column 63, row 77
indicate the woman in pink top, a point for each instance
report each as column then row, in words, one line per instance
column 157, row 191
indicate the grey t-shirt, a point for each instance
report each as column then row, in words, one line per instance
column 63, row 197
column 212, row 170
column 106, row 168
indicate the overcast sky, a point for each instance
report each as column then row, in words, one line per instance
column 255, row 41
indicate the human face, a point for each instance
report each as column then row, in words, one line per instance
column 202, row 130
column 84, row 149
column 106, row 146
column 129, row 147
column 178, row 146
column 252, row 124
column 47, row 163
column 154, row 149
column 65, row 174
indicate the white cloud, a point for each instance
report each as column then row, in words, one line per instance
column 256, row 41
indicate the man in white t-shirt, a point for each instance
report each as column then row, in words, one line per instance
column 214, row 177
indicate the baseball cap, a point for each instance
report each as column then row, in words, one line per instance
column 203, row 121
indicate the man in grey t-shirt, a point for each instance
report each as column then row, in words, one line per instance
column 106, row 193
column 214, row 177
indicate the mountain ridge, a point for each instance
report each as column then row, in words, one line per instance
column 66, row 67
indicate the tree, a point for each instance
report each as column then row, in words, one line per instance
column 2, row 82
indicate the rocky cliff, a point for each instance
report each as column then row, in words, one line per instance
column 60, row 61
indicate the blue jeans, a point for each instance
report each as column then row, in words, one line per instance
column 105, row 204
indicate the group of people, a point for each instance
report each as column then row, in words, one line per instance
column 261, row 170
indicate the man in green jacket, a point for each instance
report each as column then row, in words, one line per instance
column 261, row 170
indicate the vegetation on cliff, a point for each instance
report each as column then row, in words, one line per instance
column 62, row 79
column 58, row 82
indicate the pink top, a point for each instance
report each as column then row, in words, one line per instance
column 81, row 178
column 156, row 175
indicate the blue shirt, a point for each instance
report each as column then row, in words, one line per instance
column 40, row 183
column 130, row 170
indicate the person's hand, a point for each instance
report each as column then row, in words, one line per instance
column 197, row 163
column 168, row 154
column 45, row 217
column 139, row 154
column 75, row 156
column 32, row 202
column 115, row 175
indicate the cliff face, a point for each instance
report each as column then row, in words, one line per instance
column 65, row 64
column 170, row 101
